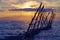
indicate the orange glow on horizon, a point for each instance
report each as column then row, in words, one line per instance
column 16, row 16
column 20, row 15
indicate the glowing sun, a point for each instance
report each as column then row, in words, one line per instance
column 30, row 4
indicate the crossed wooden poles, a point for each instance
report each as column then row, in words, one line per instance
column 41, row 19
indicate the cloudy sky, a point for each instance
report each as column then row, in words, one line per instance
column 28, row 3
column 11, row 4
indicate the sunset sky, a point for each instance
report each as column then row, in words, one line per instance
column 21, row 4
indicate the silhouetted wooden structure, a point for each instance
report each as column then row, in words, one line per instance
column 40, row 21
